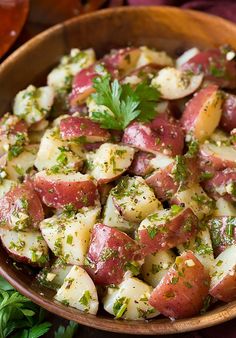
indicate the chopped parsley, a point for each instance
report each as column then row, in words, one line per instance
column 180, row 171
column 85, row 299
column 134, row 267
column 123, row 102
column 120, row 306
column 69, row 210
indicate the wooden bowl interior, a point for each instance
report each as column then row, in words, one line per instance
column 164, row 28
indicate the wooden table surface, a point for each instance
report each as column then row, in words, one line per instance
column 43, row 14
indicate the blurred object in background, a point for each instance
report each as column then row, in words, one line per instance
column 13, row 14
column 224, row 8
column 45, row 13
column 42, row 14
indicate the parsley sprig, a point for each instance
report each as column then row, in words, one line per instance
column 20, row 318
column 124, row 103
column 19, row 314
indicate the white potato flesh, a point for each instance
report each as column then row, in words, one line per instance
column 161, row 161
column 156, row 266
column 68, row 237
column 195, row 198
column 94, row 107
column 222, row 152
column 148, row 56
column 28, row 247
column 201, row 246
column 208, row 117
column 51, row 150
column 134, row 199
column 130, row 300
column 110, row 161
column 174, row 84
column 33, row 104
column 113, row 218
column 78, row 291
column 60, row 78
column 219, row 137
column 18, row 166
column 225, row 264
column 5, row 186
column 224, row 208
column 186, row 56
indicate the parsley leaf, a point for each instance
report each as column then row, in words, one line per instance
column 19, row 317
column 67, row 332
column 123, row 103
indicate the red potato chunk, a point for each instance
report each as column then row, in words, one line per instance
column 175, row 84
column 141, row 165
column 216, row 64
column 141, row 74
column 110, row 254
column 124, row 59
column 109, row 162
column 26, row 247
column 183, row 290
column 202, row 113
column 166, row 181
column 161, row 136
column 228, row 118
column 214, row 156
column 223, row 232
column 82, row 85
column 222, row 184
column 13, row 133
column 11, row 124
column 81, row 128
column 166, row 229
column 223, row 282
column 21, row 208
column 59, row 190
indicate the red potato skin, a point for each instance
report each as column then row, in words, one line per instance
column 221, row 179
column 22, row 259
column 209, row 162
column 163, row 183
column 57, row 194
column 218, row 229
column 11, row 204
column 169, row 133
column 165, row 138
column 225, row 290
column 92, row 146
column 74, row 127
column 182, row 291
column 109, row 251
column 141, row 164
column 122, row 59
column 82, row 85
column 213, row 58
column 10, row 124
column 228, row 118
column 195, row 105
column 178, row 230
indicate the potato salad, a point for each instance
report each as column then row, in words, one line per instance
column 118, row 181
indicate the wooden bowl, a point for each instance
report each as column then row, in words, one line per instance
column 165, row 28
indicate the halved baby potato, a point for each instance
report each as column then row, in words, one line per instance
column 175, row 84
column 78, row 291
column 130, row 300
